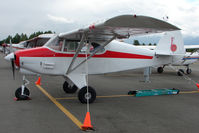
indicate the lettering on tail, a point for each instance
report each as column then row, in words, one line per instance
column 173, row 46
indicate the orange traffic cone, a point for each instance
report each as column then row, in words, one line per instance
column 197, row 86
column 38, row 82
column 87, row 122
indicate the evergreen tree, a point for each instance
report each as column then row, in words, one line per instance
column 7, row 40
column 23, row 37
column 18, row 38
column 136, row 42
column 150, row 44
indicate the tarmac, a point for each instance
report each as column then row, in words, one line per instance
column 50, row 110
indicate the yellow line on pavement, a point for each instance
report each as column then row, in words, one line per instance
column 190, row 92
column 114, row 96
column 110, row 96
column 64, row 110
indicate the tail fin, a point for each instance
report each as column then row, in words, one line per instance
column 171, row 44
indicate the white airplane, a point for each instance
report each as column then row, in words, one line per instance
column 189, row 58
column 93, row 50
column 31, row 43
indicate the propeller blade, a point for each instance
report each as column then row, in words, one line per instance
column 13, row 68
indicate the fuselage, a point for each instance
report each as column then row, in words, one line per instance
column 117, row 56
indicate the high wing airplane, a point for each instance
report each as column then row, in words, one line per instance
column 31, row 43
column 94, row 50
column 189, row 58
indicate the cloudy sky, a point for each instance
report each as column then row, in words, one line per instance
column 27, row 16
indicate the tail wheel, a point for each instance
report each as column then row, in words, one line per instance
column 83, row 95
column 189, row 71
column 160, row 70
column 180, row 72
column 69, row 89
column 25, row 95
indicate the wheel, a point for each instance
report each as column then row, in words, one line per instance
column 189, row 71
column 160, row 70
column 68, row 89
column 22, row 97
column 83, row 96
column 180, row 72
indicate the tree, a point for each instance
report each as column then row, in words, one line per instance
column 23, row 37
column 143, row 44
column 18, row 38
column 48, row 32
column 150, row 44
column 7, row 40
column 136, row 42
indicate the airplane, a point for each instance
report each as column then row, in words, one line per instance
column 93, row 50
column 31, row 43
column 189, row 58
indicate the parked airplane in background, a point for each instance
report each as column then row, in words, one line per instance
column 189, row 58
column 94, row 50
column 31, row 43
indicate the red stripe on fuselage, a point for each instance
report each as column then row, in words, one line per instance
column 45, row 52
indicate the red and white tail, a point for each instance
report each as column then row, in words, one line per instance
column 171, row 44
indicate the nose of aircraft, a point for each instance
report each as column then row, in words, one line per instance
column 9, row 57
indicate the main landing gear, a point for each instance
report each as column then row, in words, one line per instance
column 181, row 71
column 22, row 93
column 69, row 88
column 160, row 69
column 83, row 96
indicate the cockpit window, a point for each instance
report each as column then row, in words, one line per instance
column 55, row 43
column 64, row 45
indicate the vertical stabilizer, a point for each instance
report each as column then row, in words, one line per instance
column 171, row 44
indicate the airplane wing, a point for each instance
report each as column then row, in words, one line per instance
column 121, row 27
column 196, row 47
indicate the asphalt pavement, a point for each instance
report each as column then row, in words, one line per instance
column 112, row 112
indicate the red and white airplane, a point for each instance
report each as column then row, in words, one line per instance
column 94, row 50
column 31, row 43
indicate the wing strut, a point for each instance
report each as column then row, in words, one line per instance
column 77, row 52
column 97, row 50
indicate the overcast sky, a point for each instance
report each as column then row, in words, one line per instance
column 26, row 16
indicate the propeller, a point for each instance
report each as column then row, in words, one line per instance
column 13, row 67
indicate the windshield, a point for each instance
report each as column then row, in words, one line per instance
column 63, row 45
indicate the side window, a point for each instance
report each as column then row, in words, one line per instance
column 70, row 46
column 95, row 46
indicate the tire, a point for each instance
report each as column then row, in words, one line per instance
column 69, row 89
column 180, row 72
column 22, row 97
column 160, row 70
column 189, row 71
column 82, row 94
